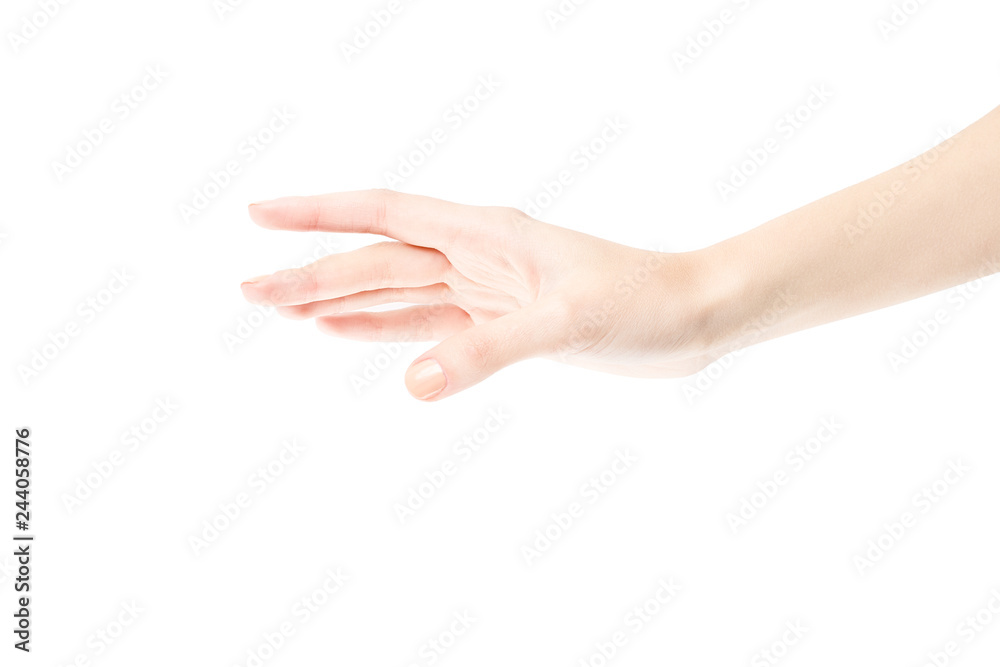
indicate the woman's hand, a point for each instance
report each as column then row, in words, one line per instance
column 493, row 285
column 497, row 287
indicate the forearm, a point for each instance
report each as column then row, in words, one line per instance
column 924, row 226
column 496, row 287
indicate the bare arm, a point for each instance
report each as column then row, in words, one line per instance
column 923, row 226
column 495, row 286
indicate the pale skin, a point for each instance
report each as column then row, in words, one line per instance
column 495, row 287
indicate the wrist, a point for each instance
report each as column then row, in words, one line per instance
column 743, row 297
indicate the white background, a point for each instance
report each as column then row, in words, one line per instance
column 699, row 455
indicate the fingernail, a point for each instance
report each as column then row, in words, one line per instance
column 253, row 280
column 425, row 379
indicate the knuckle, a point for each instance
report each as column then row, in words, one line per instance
column 294, row 285
column 382, row 200
column 312, row 220
column 478, row 352
column 419, row 326
column 373, row 327
column 515, row 218
column 335, row 306
column 307, row 282
column 381, row 273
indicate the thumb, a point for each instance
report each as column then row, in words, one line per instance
column 474, row 354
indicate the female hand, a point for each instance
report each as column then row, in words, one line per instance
column 493, row 285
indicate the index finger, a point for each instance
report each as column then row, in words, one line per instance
column 413, row 219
